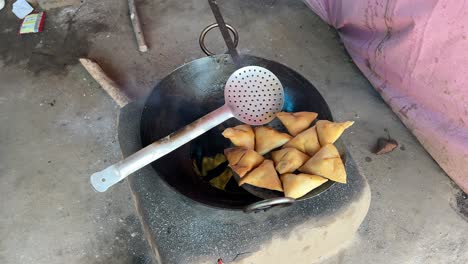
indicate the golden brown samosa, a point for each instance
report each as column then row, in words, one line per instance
column 233, row 155
column 264, row 176
column 241, row 136
column 209, row 163
column 328, row 132
column 297, row 122
column 242, row 160
column 267, row 139
column 222, row 180
column 306, row 142
column 326, row 163
column 288, row 160
column 296, row 186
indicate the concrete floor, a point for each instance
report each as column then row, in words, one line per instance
column 58, row 126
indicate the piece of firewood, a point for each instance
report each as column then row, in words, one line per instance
column 106, row 83
column 385, row 145
column 140, row 38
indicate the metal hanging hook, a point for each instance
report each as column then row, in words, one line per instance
column 205, row 31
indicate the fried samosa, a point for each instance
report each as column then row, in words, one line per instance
column 288, row 160
column 241, row 136
column 267, row 139
column 328, row 132
column 264, row 176
column 326, row 163
column 209, row 163
column 242, row 160
column 306, row 142
column 296, row 186
column 222, row 180
column 233, row 155
column 297, row 122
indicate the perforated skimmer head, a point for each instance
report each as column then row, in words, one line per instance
column 254, row 95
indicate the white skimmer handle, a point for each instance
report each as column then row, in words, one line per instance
column 104, row 179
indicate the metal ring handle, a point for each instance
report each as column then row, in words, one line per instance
column 269, row 203
column 205, row 31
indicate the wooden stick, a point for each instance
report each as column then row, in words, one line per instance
column 106, row 83
column 140, row 38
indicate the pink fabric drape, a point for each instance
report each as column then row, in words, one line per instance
column 415, row 54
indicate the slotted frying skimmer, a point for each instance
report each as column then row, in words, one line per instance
column 252, row 94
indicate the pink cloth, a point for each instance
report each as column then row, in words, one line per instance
column 415, row 54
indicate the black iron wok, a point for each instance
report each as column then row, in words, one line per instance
column 195, row 89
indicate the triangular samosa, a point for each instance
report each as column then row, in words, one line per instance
column 267, row 139
column 222, row 180
column 209, row 163
column 296, row 186
column 233, row 155
column 288, row 160
column 264, row 176
column 326, row 163
column 297, row 122
column 328, row 132
column 306, row 142
column 242, row 160
column 241, row 136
